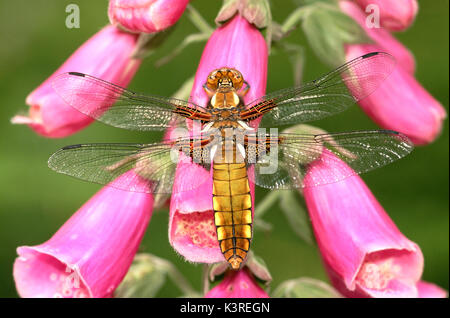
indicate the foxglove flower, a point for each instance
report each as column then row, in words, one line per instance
column 192, row 233
column 401, row 103
column 106, row 55
column 364, row 253
column 395, row 15
column 237, row 284
column 429, row 290
column 91, row 253
column 383, row 39
column 146, row 16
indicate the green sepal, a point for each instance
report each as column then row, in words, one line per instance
column 305, row 287
column 253, row 263
column 256, row 12
column 258, row 268
column 146, row 276
column 328, row 29
column 297, row 215
column 148, row 43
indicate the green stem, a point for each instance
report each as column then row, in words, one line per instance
column 205, row 279
column 185, row 90
column 198, row 20
column 266, row 203
column 176, row 277
column 294, row 18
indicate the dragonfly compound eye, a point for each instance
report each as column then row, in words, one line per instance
column 237, row 79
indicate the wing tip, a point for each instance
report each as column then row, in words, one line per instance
column 365, row 56
column 54, row 156
column 377, row 53
column 402, row 137
column 77, row 74
column 71, row 147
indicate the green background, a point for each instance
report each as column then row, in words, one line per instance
column 35, row 202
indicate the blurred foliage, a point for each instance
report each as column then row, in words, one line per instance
column 35, row 202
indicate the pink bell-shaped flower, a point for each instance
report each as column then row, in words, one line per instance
column 364, row 253
column 237, row 284
column 401, row 103
column 106, row 55
column 192, row 233
column 91, row 253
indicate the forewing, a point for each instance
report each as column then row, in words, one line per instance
column 326, row 96
column 362, row 151
column 146, row 168
column 119, row 107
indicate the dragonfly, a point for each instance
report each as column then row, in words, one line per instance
column 229, row 142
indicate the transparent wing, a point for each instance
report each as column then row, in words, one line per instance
column 325, row 96
column 146, row 168
column 292, row 155
column 119, row 107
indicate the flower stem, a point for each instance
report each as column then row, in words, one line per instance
column 266, row 203
column 176, row 276
column 294, row 18
column 205, row 278
column 198, row 20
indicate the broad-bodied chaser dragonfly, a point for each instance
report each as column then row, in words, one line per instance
column 227, row 141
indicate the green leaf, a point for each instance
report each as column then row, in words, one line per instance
column 294, row 19
column 297, row 58
column 146, row 276
column 328, row 30
column 148, row 43
column 190, row 39
column 144, row 279
column 305, row 287
column 296, row 214
column 269, row 200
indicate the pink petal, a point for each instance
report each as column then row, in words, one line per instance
column 401, row 103
column 91, row 253
column 237, row 284
column 105, row 55
column 395, row 15
column 364, row 252
column 381, row 37
column 429, row 290
column 146, row 16
column 192, row 233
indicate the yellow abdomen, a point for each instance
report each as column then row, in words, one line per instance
column 232, row 206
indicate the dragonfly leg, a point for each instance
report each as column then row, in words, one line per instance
column 245, row 90
column 208, row 91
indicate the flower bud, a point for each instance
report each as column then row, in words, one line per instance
column 145, row 16
column 383, row 39
column 395, row 15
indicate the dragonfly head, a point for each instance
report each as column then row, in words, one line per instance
column 225, row 78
